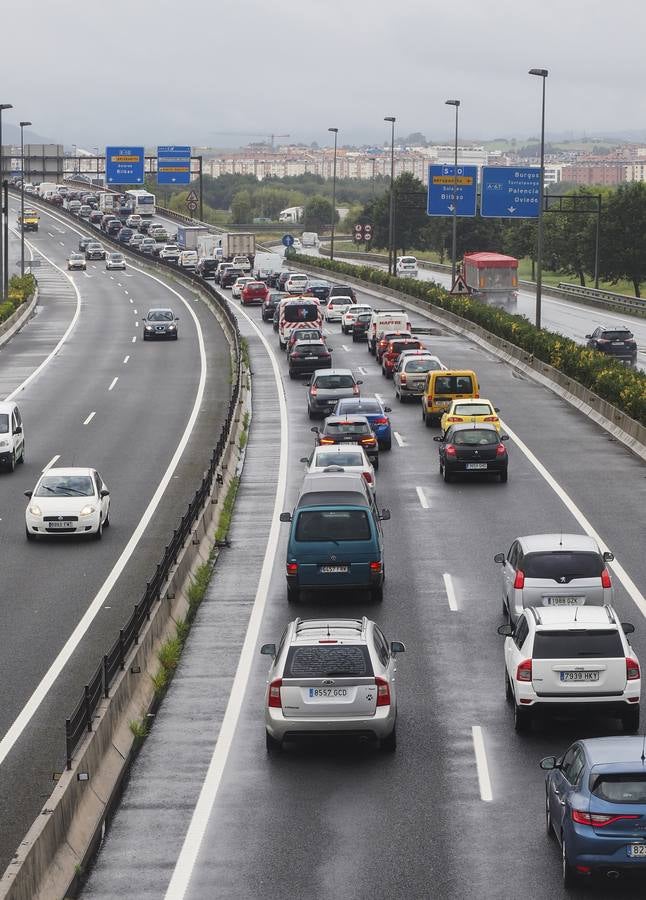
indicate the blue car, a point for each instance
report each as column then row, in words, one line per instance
column 374, row 411
column 595, row 805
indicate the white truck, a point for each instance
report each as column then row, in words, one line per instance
column 188, row 236
column 383, row 320
column 235, row 244
column 309, row 239
column 206, row 245
column 266, row 264
column 47, row 189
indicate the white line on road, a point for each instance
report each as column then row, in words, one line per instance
column 89, row 418
column 50, row 233
column 126, row 360
column 450, row 592
column 61, row 243
column 422, row 498
column 346, row 348
column 481, row 764
column 379, row 398
column 361, row 370
column 52, row 461
column 136, row 324
column 125, row 291
column 113, row 382
column 135, row 311
column 131, row 300
column 400, row 440
column 134, row 339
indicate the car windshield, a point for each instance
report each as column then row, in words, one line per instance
column 65, row 486
column 475, row 436
column 333, row 525
column 621, row 788
column 160, row 315
column 594, row 644
column 565, row 564
column 472, row 409
column 346, row 458
column 453, row 384
column 301, row 312
column 324, row 661
column 307, row 334
column 366, row 407
column 334, row 428
column 332, row 382
column 116, row 257
column 398, row 346
column 421, row 365
column 76, row 256
column 4, row 423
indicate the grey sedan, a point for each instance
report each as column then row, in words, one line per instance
column 160, row 323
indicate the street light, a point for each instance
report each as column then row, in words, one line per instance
column 454, row 250
column 23, row 125
column 542, row 73
column 4, row 237
column 335, row 131
column 391, row 211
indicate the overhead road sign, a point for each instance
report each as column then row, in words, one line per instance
column 288, row 240
column 173, row 165
column 447, row 188
column 510, row 192
column 124, row 165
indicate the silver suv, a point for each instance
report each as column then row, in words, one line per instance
column 331, row 676
column 554, row 570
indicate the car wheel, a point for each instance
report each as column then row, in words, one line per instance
column 310, row 413
column 388, row 445
column 98, row 534
column 448, row 477
column 505, row 611
column 427, row 419
column 145, row 336
column 29, row 535
column 273, row 746
column 11, row 465
column 175, row 336
column 389, row 744
column 630, row 720
column 377, row 594
column 522, row 719
column 570, row 878
column 504, row 476
column 375, row 464
column 22, row 454
column 293, row 594
column 548, row 818
column 509, row 694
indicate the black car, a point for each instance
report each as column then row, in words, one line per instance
column 618, row 342
column 230, row 276
column 360, row 327
column 160, row 323
column 342, row 290
column 349, row 430
column 124, row 235
column 472, row 449
column 276, row 317
column 114, row 227
column 206, row 267
column 318, row 289
column 144, row 225
column 94, row 250
column 83, row 242
column 282, row 278
column 270, row 304
column 106, row 218
column 306, row 357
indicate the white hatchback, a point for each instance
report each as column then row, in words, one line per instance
column 238, row 284
column 342, row 458
column 296, row 283
column 68, row 501
column 349, row 315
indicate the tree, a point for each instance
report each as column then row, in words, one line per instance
column 622, row 235
column 317, row 214
column 570, row 236
column 241, row 208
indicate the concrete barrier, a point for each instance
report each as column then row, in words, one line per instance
column 18, row 319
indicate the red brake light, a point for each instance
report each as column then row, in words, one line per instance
column 632, row 669
column 524, row 671
column 454, row 419
column 313, row 391
column 383, row 691
column 292, row 568
column 375, row 567
column 500, row 450
column 519, row 580
column 605, row 579
column 327, row 440
column 295, row 355
column 598, row 820
column 273, row 695
column 382, row 420
column 355, row 389
column 403, row 378
column 490, row 419
column 368, row 477
column 450, row 450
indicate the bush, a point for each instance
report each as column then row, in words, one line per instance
column 20, row 289
column 624, row 387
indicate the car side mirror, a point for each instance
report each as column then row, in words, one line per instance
column 505, row 630
column 304, row 459
column 105, row 492
column 628, row 627
column 285, row 517
column 314, row 429
column 499, row 558
column 330, row 349
column 359, row 382
column 496, row 409
column 384, row 515
column 29, row 494
column 439, row 438
column 397, row 647
column 177, row 318
column 608, row 556
column 388, row 409
column 268, row 650
column 18, row 429
column 504, row 437
column 588, row 336
column 548, row 762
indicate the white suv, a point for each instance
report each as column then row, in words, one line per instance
column 568, row 658
column 350, row 313
column 335, row 308
column 406, row 267
column 331, row 676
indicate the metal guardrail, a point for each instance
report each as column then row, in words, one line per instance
column 629, row 303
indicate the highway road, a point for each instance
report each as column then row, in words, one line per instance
column 91, row 393
column 458, row 810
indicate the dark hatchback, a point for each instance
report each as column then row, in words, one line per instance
column 270, row 304
column 618, row 342
column 349, row 430
column 374, row 411
column 306, row 357
column 318, row 289
column 206, row 267
column 467, row 449
column 124, row 235
column 229, row 276
column 360, row 327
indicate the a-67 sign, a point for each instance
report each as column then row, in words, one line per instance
column 362, row 233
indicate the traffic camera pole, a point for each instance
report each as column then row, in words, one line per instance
column 5, row 238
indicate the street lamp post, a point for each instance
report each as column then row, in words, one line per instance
column 23, row 125
column 454, row 244
column 542, row 73
column 391, row 211
column 4, row 261
column 335, row 132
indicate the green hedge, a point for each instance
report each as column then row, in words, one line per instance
column 20, row 289
column 620, row 385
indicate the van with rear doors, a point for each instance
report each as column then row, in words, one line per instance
column 445, row 385
column 386, row 320
column 12, row 436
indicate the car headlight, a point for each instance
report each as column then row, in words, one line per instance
column 87, row 510
column 4, row 443
column 149, row 327
column 35, row 510
column 172, row 326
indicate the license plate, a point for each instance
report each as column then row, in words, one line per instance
column 476, row 465
column 327, row 693
column 636, row 849
column 617, row 343
column 441, row 402
column 61, row 525
column 563, row 601
column 334, row 570
column 579, row 676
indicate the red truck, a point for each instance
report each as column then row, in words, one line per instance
column 491, row 276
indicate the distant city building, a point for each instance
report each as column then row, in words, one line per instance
column 594, row 173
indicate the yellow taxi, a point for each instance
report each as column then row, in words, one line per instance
column 470, row 411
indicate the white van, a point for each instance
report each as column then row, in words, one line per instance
column 242, row 262
column 12, row 437
column 310, row 239
column 406, row 267
column 386, row 320
column 187, row 259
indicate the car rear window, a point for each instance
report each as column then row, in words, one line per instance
column 623, row 788
column 398, row 346
column 453, row 384
column 475, row 436
column 619, row 334
column 421, row 365
column 560, row 564
column 473, row 409
column 367, row 407
column 334, row 428
column 332, row 382
column 328, row 660
column 333, row 525
column 301, row 312
column 593, row 644
column 310, row 349
column 326, row 458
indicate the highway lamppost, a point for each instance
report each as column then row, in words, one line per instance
column 23, row 125
column 4, row 237
column 335, row 131
column 454, row 244
column 391, row 211
column 541, row 73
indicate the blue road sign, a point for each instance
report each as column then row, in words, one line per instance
column 288, row 240
column 443, row 192
column 173, row 165
column 510, row 193
column 124, row 165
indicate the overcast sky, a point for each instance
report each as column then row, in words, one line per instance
column 172, row 72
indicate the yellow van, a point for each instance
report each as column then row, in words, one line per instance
column 441, row 387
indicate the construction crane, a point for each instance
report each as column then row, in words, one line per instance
column 272, row 137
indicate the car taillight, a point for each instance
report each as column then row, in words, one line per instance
column 454, row 419
column 313, row 391
column 273, row 694
column 382, row 420
column 603, row 341
column 632, row 669
column 450, row 450
column 368, row 477
column 355, row 389
column 369, row 439
column 383, row 691
column 327, row 440
column 324, row 355
column 598, row 820
column 519, row 580
column 490, row 419
column 605, row 579
column 500, row 450
column 292, row 568
column 375, row 567
column 294, row 355
column 403, row 378
column 524, row 671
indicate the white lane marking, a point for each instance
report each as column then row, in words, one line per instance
column 134, row 339
column 136, row 324
column 199, row 821
column 131, row 300
column 346, row 348
column 51, row 462
column 50, row 233
column 135, row 311
column 450, row 592
column 113, row 382
column 400, row 440
column 361, row 370
column 623, row 576
column 125, row 292
column 126, row 360
column 422, row 498
column 379, row 398
column 89, row 418
column 111, row 277
column 60, row 230
column 49, row 679
column 118, row 283
column 482, row 766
